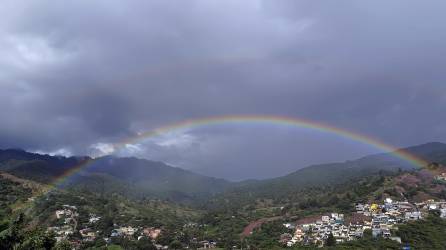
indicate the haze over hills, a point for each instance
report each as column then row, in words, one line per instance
column 337, row 173
column 130, row 176
column 333, row 173
column 144, row 178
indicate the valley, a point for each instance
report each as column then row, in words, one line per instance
column 351, row 204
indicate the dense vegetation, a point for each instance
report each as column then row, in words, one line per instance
column 24, row 227
column 187, row 215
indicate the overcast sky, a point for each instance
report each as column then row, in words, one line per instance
column 77, row 76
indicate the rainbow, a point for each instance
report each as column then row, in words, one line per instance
column 233, row 120
column 254, row 119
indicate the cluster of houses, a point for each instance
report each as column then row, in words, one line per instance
column 206, row 244
column 66, row 211
column 67, row 221
column 433, row 205
column 316, row 230
column 381, row 219
column 68, row 216
column 124, row 231
column 87, row 233
column 136, row 232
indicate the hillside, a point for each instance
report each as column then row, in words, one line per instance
column 416, row 188
column 29, row 220
column 139, row 178
column 337, row 173
column 229, row 214
column 301, row 184
column 128, row 176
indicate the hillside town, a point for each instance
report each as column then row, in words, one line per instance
column 381, row 219
column 67, row 225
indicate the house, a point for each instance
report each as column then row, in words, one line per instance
column 67, row 211
column 381, row 219
column 388, row 201
column 115, row 233
column 298, row 235
column 207, row 244
column 127, row 231
column 386, row 232
column 338, row 218
column 325, row 218
column 289, row 225
column 87, row 234
column 443, row 213
column 413, row 215
column 93, row 218
column 285, row 238
column 61, row 232
column 432, row 206
column 404, row 206
column 374, row 208
column 60, row 213
column 359, row 208
column 151, row 232
column 358, row 219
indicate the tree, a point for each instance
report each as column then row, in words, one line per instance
column 13, row 235
column 145, row 243
column 63, row 245
column 175, row 245
column 37, row 239
column 331, row 241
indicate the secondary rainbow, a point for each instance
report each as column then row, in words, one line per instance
column 255, row 119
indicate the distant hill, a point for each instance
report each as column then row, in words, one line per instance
column 129, row 176
column 334, row 172
column 38, row 167
column 337, row 173
column 144, row 178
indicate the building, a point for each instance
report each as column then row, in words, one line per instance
column 416, row 215
column 151, row 232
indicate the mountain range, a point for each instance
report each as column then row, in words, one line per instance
column 141, row 178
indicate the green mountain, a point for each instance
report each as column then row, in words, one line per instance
column 226, row 209
column 128, row 176
column 330, row 174
column 140, row 178
column 334, row 173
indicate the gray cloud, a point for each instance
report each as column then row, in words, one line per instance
column 75, row 74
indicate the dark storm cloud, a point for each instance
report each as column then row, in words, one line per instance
column 76, row 74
